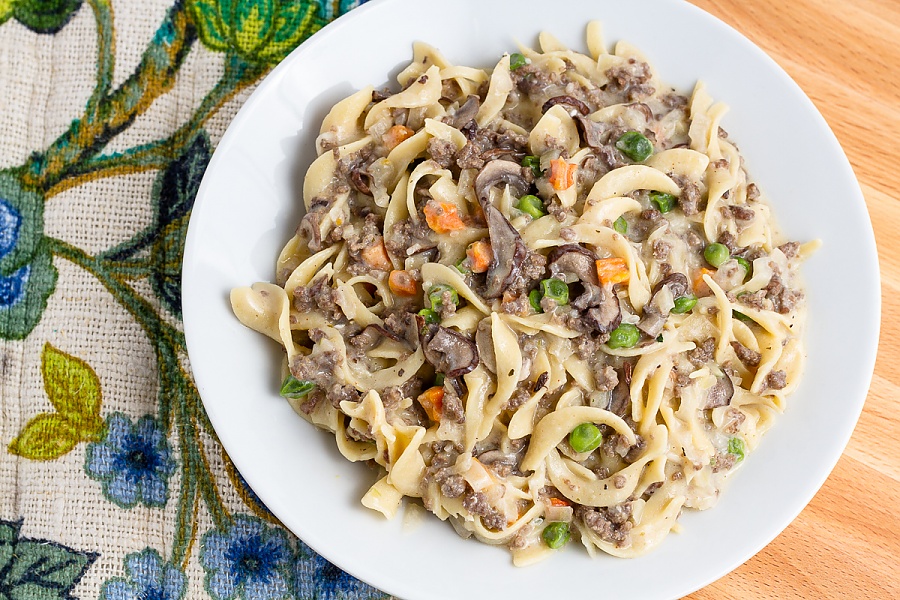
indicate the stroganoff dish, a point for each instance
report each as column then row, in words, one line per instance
column 545, row 298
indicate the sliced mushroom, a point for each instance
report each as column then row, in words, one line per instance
column 457, row 384
column 576, row 260
column 496, row 172
column 595, row 134
column 465, row 114
column 448, row 351
column 383, row 331
column 495, row 153
column 507, row 246
column 508, row 252
column 568, row 101
column 620, row 398
column 643, row 108
column 591, row 296
column 608, row 314
column 403, row 326
column 542, row 380
column 677, row 283
column 485, row 342
column 382, row 94
column 720, row 394
column 360, row 181
column 655, row 316
column 370, row 336
column 311, row 223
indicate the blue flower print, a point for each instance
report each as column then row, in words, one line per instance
column 249, row 559
column 318, row 579
column 133, row 462
column 148, row 578
column 10, row 222
column 27, row 274
column 12, row 288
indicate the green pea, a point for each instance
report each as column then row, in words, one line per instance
column 292, row 387
column 431, row 316
column 532, row 205
column 555, row 289
column 585, row 438
column 436, row 295
column 716, row 254
column 556, row 534
column 533, row 163
column 534, row 299
column 439, row 379
column 736, row 446
column 635, row 146
column 748, row 268
column 664, row 202
column 621, row 225
column 684, row 304
column 625, row 335
column 517, row 60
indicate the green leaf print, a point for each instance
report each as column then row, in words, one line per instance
column 45, row 16
column 261, row 32
column 45, row 437
column 38, row 569
column 6, row 10
column 73, row 389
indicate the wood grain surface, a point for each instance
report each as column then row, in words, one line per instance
column 846, row 57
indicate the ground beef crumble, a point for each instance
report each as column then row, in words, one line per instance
column 631, row 80
column 477, row 504
column 610, row 524
column 318, row 295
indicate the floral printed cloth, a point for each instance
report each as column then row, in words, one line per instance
column 113, row 484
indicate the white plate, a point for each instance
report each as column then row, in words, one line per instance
column 249, row 205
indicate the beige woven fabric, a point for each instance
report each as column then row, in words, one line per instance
column 95, row 484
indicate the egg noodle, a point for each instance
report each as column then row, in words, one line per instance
column 544, row 299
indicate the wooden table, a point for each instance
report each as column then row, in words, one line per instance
column 846, row 57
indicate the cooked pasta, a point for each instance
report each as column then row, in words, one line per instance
column 545, row 300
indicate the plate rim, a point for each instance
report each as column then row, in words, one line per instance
column 270, row 83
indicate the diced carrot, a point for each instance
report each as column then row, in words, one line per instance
column 700, row 287
column 562, row 174
column 480, row 255
column 376, row 256
column 612, row 271
column 443, row 217
column 432, row 400
column 402, row 283
column 395, row 135
column 558, row 502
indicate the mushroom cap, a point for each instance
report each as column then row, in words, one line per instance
column 654, row 319
column 574, row 259
column 485, row 342
column 496, row 172
column 720, row 394
column 594, row 133
column 677, row 282
column 465, row 114
column 575, row 103
column 608, row 315
column 507, row 247
column 448, row 351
